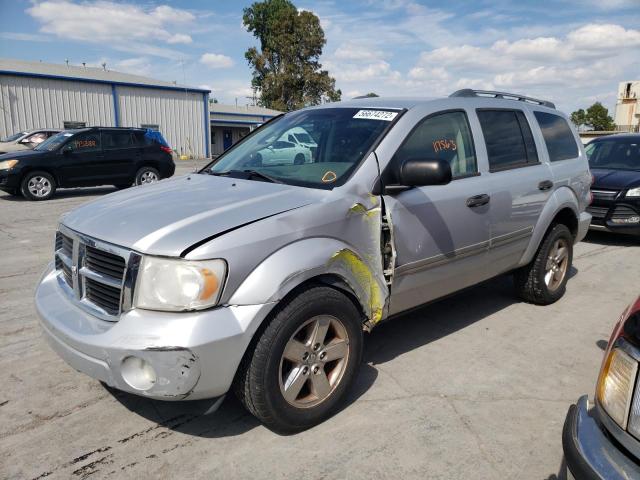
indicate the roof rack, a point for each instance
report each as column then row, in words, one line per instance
column 468, row 92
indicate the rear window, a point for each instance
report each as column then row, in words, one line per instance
column 115, row 139
column 508, row 138
column 558, row 137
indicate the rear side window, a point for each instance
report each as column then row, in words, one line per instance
column 114, row 139
column 445, row 136
column 508, row 138
column 558, row 137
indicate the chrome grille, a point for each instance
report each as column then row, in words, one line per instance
column 597, row 213
column 104, row 263
column 603, row 194
column 93, row 273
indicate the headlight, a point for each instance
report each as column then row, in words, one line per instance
column 177, row 285
column 7, row 164
column 634, row 192
column 615, row 385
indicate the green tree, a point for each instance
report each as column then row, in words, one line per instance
column 286, row 69
column 597, row 117
column 579, row 117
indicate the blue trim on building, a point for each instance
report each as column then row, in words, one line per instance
column 207, row 126
column 236, row 122
column 107, row 82
column 263, row 116
column 116, row 108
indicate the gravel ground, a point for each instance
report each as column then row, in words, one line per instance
column 475, row 386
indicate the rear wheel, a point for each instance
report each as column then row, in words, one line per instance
column 147, row 175
column 544, row 280
column 299, row 159
column 38, row 186
column 304, row 362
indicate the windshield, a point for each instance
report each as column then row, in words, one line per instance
column 13, row 137
column 54, row 142
column 303, row 137
column 342, row 137
column 618, row 154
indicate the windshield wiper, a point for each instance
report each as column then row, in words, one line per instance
column 246, row 175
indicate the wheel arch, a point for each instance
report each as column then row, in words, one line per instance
column 317, row 260
column 561, row 207
column 32, row 168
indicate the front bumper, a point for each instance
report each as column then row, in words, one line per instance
column 607, row 216
column 194, row 355
column 583, row 226
column 9, row 180
column 588, row 451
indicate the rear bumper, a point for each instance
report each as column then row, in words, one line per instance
column 194, row 355
column 588, row 451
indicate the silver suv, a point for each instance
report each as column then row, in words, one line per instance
column 262, row 277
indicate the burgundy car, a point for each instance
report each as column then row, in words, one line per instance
column 601, row 440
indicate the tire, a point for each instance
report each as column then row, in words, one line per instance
column 147, row 175
column 38, row 186
column 543, row 281
column 299, row 159
column 260, row 383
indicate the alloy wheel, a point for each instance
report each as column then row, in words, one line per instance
column 557, row 264
column 314, row 361
column 39, row 186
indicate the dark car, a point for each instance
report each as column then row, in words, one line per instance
column 87, row 157
column 601, row 441
column 615, row 164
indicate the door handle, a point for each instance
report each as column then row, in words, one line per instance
column 478, row 200
column 545, row 185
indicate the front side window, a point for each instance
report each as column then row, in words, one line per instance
column 341, row 137
column 558, row 137
column 84, row 142
column 508, row 138
column 445, row 136
column 614, row 154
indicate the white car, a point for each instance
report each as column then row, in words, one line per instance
column 282, row 152
column 26, row 140
column 300, row 136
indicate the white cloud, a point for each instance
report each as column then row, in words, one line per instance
column 354, row 52
column 216, row 60
column 179, row 38
column 604, row 36
column 24, row 37
column 123, row 26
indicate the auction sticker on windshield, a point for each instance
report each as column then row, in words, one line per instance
column 376, row 115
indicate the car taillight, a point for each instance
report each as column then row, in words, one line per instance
column 165, row 149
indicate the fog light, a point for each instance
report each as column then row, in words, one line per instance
column 138, row 373
column 615, row 385
column 634, row 219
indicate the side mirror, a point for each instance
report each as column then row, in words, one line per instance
column 66, row 150
column 422, row 172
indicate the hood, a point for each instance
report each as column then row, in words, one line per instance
column 172, row 215
column 615, row 179
column 16, row 151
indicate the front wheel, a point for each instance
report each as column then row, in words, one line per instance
column 147, row 175
column 38, row 186
column 544, row 280
column 304, row 362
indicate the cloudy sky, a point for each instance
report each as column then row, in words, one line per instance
column 572, row 52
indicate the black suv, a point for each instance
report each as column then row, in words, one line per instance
column 615, row 164
column 87, row 157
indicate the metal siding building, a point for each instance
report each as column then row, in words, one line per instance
column 40, row 95
column 229, row 123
